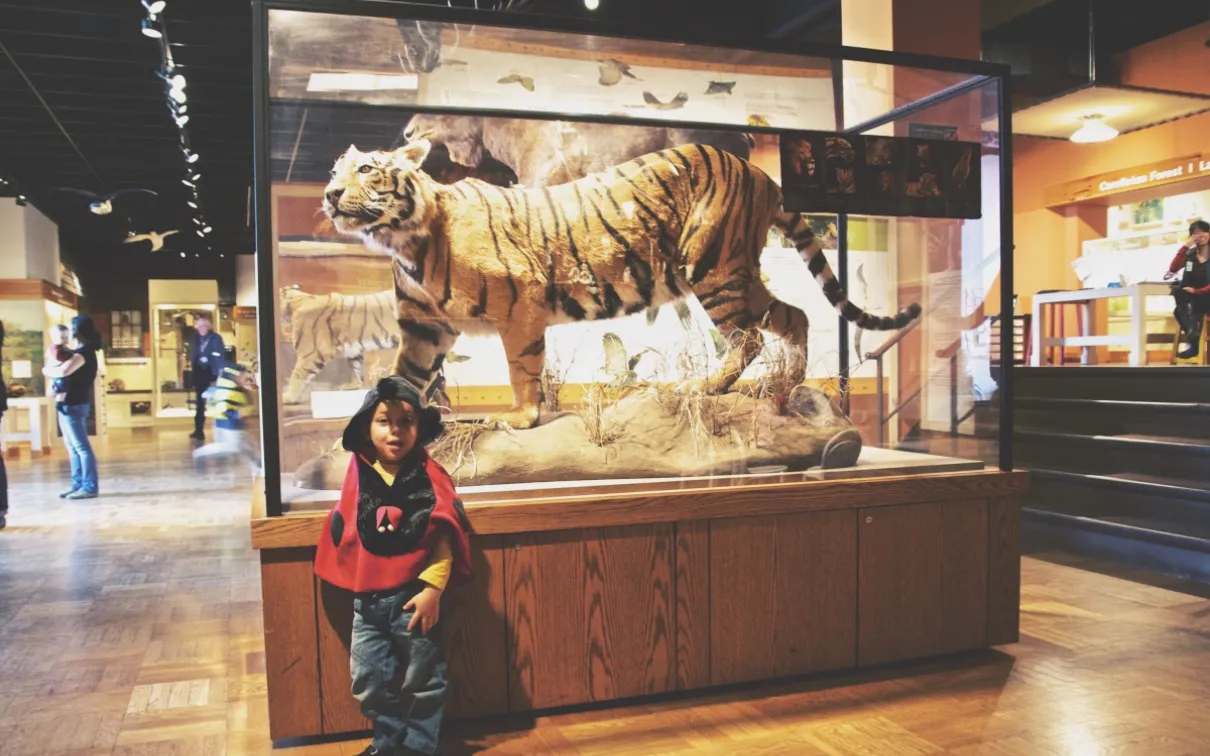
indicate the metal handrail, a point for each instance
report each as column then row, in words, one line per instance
column 885, row 417
column 877, row 353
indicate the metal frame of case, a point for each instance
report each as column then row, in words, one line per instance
column 982, row 74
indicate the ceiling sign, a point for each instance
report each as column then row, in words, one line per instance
column 1128, row 180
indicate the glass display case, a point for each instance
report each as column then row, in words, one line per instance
column 172, row 333
column 575, row 242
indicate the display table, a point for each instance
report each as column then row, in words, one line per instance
column 41, row 413
column 1136, row 339
column 591, row 597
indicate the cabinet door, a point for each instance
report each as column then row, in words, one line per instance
column 590, row 615
column 922, row 580
column 783, row 597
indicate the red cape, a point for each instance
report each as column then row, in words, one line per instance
column 344, row 561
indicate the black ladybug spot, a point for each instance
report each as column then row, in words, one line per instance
column 337, row 528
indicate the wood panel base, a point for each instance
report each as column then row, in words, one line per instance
column 571, row 616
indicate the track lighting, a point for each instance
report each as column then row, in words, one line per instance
column 182, row 254
column 149, row 29
column 192, row 157
column 178, row 81
column 196, row 176
column 22, row 200
column 182, row 120
column 155, row 7
column 178, row 96
column 197, row 221
column 199, row 233
column 192, row 204
column 207, row 229
column 187, row 183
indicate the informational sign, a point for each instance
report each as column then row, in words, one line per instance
column 826, row 172
column 1143, row 176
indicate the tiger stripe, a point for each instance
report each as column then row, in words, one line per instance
column 685, row 220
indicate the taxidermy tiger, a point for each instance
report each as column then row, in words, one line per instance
column 331, row 326
column 686, row 220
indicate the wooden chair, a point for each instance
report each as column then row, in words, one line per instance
column 1203, row 355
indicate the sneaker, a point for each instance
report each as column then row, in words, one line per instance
column 67, row 494
column 1189, row 353
column 81, row 495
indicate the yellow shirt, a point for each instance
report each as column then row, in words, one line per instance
column 441, row 560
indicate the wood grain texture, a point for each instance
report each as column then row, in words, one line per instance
column 589, row 615
column 476, row 636
column 900, row 577
column 1004, row 570
column 783, row 595
column 692, row 605
column 340, row 711
column 528, row 514
column 963, row 576
column 291, row 658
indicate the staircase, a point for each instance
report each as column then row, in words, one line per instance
column 1120, row 464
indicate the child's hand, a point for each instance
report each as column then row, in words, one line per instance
column 427, row 605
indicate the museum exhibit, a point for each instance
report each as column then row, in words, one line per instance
column 395, row 377
column 634, row 341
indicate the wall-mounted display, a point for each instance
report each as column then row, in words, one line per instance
column 591, row 252
column 880, row 175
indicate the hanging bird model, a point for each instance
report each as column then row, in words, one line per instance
column 103, row 204
column 156, row 239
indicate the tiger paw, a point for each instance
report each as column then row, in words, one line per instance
column 518, row 418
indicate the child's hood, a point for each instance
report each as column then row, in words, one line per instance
column 392, row 388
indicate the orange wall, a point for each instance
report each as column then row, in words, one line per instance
column 1178, row 62
column 1046, row 239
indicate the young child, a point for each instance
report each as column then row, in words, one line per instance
column 397, row 537
column 228, row 401
column 59, row 354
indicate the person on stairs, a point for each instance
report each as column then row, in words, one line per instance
column 1192, row 293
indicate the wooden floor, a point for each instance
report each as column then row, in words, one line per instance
column 131, row 625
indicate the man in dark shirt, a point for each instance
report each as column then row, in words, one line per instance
column 206, row 358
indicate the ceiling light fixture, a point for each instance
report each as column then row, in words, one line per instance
column 178, row 96
column 182, row 120
column 592, row 4
column 199, row 233
column 207, row 229
column 178, row 81
column 197, row 221
column 1094, row 130
column 182, row 254
column 155, row 7
column 149, row 29
column 192, row 204
column 22, row 200
column 192, row 157
column 196, row 176
column 187, row 183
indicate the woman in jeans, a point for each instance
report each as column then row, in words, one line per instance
column 81, row 372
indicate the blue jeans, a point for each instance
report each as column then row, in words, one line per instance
column 382, row 646
column 73, row 422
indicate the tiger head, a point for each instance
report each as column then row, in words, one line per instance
column 461, row 135
column 376, row 195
